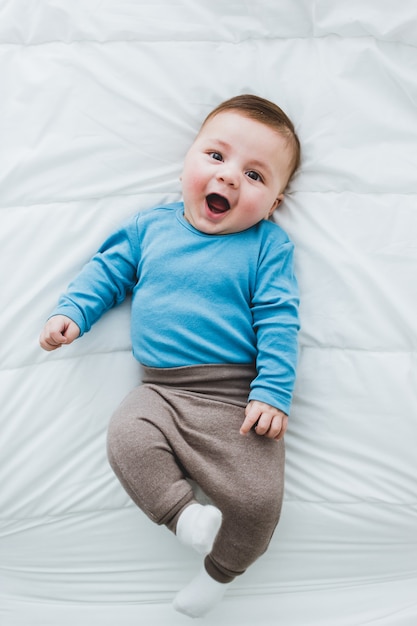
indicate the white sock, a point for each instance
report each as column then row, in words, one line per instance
column 199, row 596
column 198, row 526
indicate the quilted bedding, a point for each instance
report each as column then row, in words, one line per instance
column 100, row 101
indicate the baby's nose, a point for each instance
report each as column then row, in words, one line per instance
column 228, row 175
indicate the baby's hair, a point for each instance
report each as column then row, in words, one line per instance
column 266, row 112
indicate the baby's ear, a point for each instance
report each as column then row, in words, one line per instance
column 276, row 204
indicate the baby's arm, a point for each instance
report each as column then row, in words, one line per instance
column 58, row 330
column 269, row 421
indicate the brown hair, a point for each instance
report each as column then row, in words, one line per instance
column 266, row 112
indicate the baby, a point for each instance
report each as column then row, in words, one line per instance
column 214, row 325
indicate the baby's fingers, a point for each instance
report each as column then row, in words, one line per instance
column 270, row 425
column 251, row 417
column 278, row 427
column 52, row 341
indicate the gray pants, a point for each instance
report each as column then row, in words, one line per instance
column 184, row 423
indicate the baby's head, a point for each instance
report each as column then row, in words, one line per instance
column 239, row 165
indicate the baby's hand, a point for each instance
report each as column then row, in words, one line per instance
column 58, row 330
column 269, row 421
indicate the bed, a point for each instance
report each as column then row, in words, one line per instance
column 100, row 101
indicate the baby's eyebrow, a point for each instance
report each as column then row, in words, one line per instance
column 219, row 142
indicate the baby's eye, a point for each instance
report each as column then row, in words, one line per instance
column 254, row 175
column 216, row 155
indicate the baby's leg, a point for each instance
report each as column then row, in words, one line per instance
column 243, row 476
column 250, row 499
column 141, row 456
column 144, row 462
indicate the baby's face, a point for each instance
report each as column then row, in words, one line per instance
column 234, row 174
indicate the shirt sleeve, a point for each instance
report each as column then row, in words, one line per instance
column 104, row 281
column 275, row 318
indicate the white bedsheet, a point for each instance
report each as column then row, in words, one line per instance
column 100, row 100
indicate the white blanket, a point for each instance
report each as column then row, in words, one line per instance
column 100, row 101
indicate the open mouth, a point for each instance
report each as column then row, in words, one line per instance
column 217, row 203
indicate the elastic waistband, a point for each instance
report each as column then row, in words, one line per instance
column 230, row 382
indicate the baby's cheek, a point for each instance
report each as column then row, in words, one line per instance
column 198, row 182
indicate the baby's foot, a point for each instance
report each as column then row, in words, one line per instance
column 199, row 596
column 198, row 526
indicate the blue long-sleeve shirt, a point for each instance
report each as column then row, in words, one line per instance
column 198, row 298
